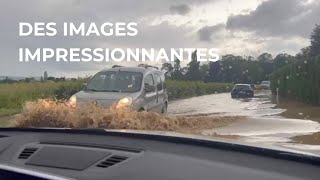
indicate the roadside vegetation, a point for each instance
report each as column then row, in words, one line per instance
column 13, row 96
column 185, row 89
column 300, row 79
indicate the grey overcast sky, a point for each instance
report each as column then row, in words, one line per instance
column 240, row 27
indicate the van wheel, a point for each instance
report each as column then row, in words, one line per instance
column 164, row 109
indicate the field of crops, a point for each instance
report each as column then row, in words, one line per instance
column 13, row 96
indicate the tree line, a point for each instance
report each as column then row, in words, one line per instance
column 230, row 68
column 240, row 69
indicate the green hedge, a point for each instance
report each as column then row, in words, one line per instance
column 299, row 81
column 13, row 96
column 184, row 89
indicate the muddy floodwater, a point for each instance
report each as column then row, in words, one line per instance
column 263, row 119
column 270, row 120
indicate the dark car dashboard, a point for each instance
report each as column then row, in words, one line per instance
column 99, row 154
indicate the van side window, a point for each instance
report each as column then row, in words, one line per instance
column 149, row 80
column 158, row 82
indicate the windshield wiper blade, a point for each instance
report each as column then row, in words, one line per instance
column 110, row 91
column 95, row 90
column 92, row 90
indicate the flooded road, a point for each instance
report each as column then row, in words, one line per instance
column 223, row 104
column 263, row 119
column 269, row 120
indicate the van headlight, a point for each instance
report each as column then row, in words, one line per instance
column 73, row 100
column 124, row 102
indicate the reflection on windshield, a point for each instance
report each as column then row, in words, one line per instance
column 115, row 81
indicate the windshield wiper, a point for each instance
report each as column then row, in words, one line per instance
column 92, row 90
column 113, row 90
column 109, row 91
column 95, row 90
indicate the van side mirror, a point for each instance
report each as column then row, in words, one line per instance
column 149, row 88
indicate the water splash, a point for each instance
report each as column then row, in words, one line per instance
column 50, row 113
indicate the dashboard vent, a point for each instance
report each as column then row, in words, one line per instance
column 111, row 161
column 27, row 152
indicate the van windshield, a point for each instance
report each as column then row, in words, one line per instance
column 115, row 81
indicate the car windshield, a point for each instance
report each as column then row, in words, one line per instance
column 115, row 81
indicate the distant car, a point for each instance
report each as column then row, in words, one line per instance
column 265, row 85
column 242, row 91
